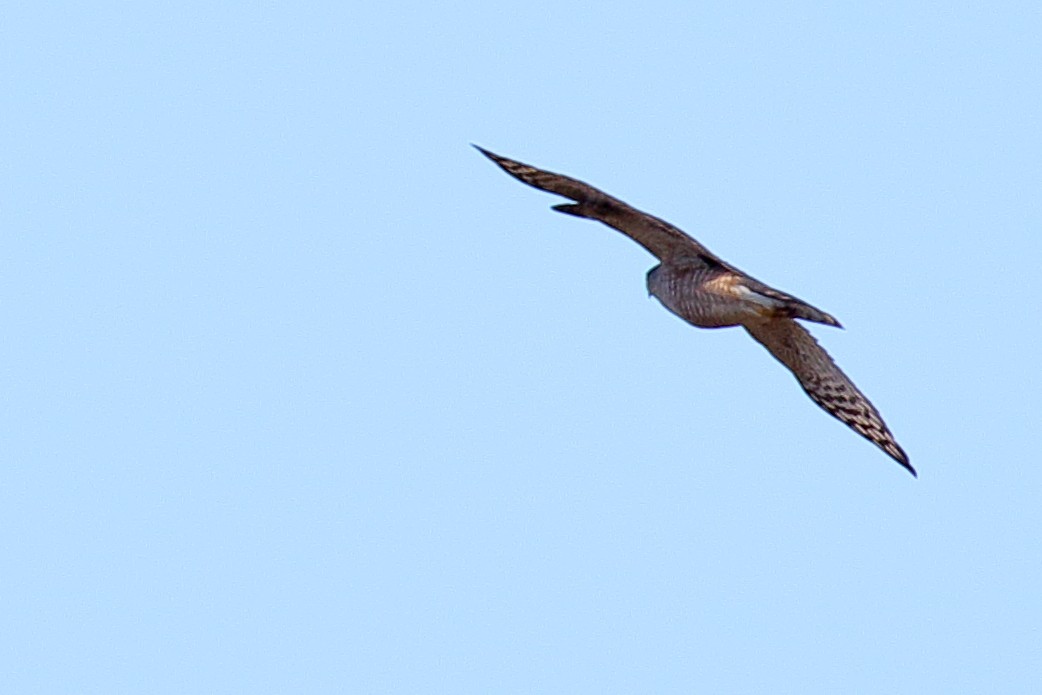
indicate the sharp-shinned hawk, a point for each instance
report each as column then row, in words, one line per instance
column 708, row 292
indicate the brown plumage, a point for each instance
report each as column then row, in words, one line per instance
column 708, row 292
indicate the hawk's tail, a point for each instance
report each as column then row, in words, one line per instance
column 791, row 307
column 802, row 310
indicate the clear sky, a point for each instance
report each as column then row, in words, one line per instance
column 302, row 394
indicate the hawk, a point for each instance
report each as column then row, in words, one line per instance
column 708, row 292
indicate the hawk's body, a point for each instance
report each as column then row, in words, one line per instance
column 707, row 292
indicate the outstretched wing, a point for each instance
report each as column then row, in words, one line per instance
column 825, row 383
column 659, row 237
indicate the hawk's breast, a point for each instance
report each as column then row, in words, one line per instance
column 707, row 298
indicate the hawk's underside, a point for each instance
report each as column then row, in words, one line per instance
column 708, row 292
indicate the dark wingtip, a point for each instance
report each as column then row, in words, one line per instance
column 485, row 152
column 569, row 209
column 901, row 457
column 501, row 162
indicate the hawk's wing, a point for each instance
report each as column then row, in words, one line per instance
column 658, row 236
column 825, row 383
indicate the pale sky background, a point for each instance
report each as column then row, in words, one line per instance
column 302, row 394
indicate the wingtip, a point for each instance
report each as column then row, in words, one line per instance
column 485, row 152
column 569, row 209
column 902, row 458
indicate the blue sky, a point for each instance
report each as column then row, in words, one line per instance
column 304, row 395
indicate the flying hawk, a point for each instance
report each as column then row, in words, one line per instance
column 706, row 291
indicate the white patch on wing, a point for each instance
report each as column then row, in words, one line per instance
column 747, row 294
